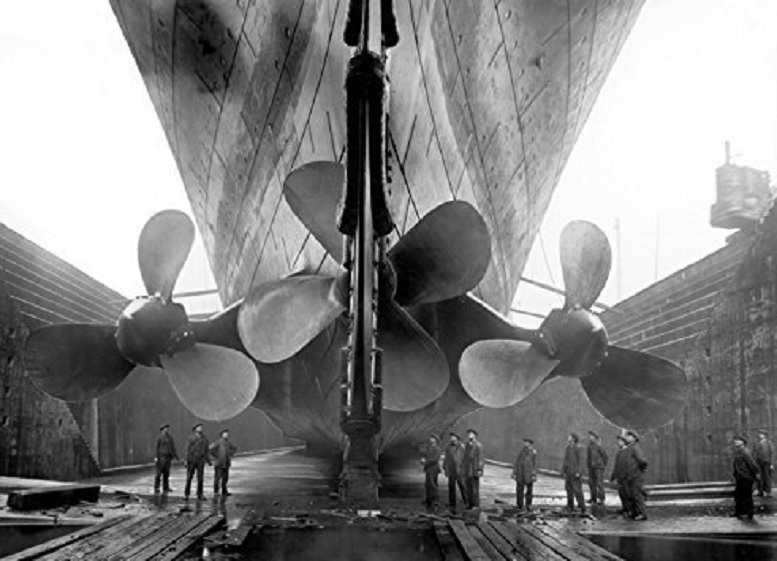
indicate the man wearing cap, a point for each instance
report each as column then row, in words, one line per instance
column 634, row 468
column 454, row 456
column 431, row 462
column 165, row 454
column 196, row 456
column 619, row 475
column 745, row 474
column 763, row 453
column 525, row 474
column 571, row 470
column 597, row 461
column 472, row 467
column 221, row 452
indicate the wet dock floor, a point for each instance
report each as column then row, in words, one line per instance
column 288, row 494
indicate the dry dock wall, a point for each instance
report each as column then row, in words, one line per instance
column 44, row 437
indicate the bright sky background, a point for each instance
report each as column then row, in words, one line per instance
column 84, row 161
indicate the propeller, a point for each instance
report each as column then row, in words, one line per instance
column 630, row 388
column 75, row 362
column 444, row 255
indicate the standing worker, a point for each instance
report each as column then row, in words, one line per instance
column 165, row 454
column 196, row 456
column 571, row 470
column 454, row 456
column 221, row 451
column 763, row 454
column 472, row 466
column 745, row 474
column 525, row 474
column 431, row 463
column 597, row 461
column 619, row 476
column 634, row 468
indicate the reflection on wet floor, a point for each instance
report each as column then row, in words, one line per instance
column 659, row 548
column 346, row 543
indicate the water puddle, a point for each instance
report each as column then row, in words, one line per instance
column 16, row 537
column 341, row 543
column 713, row 547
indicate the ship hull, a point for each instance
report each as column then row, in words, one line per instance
column 486, row 102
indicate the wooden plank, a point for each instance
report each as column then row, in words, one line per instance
column 185, row 542
column 485, row 545
column 525, row 545
column 581, row 543
column 42, row 549
column 502, row 545
column 104, row 544
column 450, row 550
column 560, row 547
column 159, row 539
column 471, row 548
column 52, row 497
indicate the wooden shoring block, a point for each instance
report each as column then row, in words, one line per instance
column 186, row 541
column 485, row 544
column 448, row 546
column 49, row 546
column 472, row 550
column 101, row 546
column 562, row 548
column 52, row 497
column 525, row 544
column 159, row 539
column 502, row 545
column 587, row 547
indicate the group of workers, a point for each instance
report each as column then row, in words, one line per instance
column 199, row 451
column 462, row 464
column 627, row 473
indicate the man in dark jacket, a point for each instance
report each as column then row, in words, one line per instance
column 763, row 454
column 221, row 453
column 634, row 468
column 619, row 476
column 472, row 468
column 525, row 474
column 196, row 456
column 454, row 456
column 745, row 474
column 571, row 469
column 431, row 462
column 597, row 461
column 165, row 454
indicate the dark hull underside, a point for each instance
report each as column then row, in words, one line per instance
column 486, row 103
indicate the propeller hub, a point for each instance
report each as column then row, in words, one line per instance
column 577, row 338
column 150, row 326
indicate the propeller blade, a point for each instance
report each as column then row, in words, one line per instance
column 214, row 383
column 75, row 362
column 415, row 371
column 163, row 247
column 500, row 373
column 444, row 255
column 585, row 262
column 313, row 192
column 636, row 390
column 279, row 318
